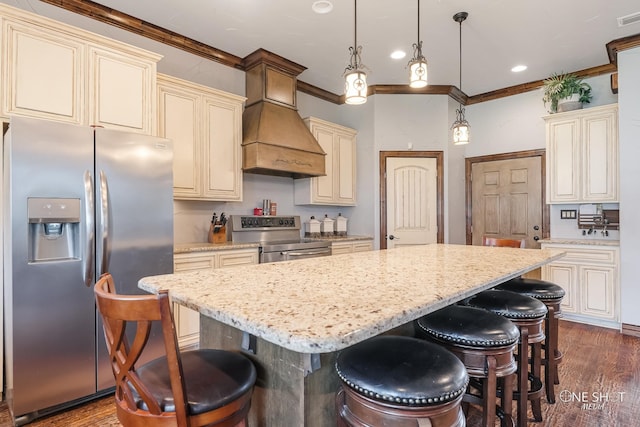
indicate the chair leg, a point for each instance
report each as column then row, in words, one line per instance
column 536, row 362
column 489, row 389
column 551, row 346
column 523, row 377
column 507, row 400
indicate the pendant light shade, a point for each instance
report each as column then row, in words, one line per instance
column 460, row 128
column 355, row 85
column 418, row 64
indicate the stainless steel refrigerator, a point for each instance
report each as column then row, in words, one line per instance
column 78, row 202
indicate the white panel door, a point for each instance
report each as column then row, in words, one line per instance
column 411, row 201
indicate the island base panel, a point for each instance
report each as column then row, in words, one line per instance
column 286, row 393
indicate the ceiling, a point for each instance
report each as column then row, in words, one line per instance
column 546, row 35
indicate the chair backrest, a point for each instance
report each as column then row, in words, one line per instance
column 507, row 243
column 119, row 314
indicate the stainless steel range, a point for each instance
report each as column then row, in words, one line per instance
column 279, row 237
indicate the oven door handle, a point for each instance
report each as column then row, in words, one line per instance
column 321, row 252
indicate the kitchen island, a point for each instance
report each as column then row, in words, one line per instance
column 293, row 317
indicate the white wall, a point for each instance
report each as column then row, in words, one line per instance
column 629, row 133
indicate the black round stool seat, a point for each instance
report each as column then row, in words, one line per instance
column 539, row 289
column 404, row 370
column 511, row 305
column 469, row 326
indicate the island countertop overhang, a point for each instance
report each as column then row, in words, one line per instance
column 324, row 304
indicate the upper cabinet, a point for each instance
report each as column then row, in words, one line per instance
column 54, row 71
column 338, row 187
column 205, row 125
column 582, row 156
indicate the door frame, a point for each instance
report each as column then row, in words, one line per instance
column 468, row 165
column 439, row 156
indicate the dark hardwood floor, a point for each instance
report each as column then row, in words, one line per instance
column 599, row 386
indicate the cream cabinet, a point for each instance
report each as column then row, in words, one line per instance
column 582, row 156
column 338, row 187
column 205, row 125
column 590, row 277
column 188, row 321
column 57, row 72
column 347, row 247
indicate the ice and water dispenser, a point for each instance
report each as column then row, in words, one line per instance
column 54, row 229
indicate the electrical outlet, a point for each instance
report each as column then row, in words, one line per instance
column 568, row 214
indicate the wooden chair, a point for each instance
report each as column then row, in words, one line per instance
column 507, row 243
column 194, row 388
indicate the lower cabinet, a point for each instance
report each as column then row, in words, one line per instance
column 188, row 321
column 590, row 278
column 348, row 247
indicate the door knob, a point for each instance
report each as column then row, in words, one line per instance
column 536, row 238
column 535, row 227
column 392, row 237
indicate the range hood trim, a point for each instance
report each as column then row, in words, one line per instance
column 276, row 141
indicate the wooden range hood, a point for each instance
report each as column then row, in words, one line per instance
column 275, row 139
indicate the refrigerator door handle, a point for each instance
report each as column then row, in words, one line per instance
column 105, row 224
column 89, row 213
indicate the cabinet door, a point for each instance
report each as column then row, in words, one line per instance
column 565, row 275
column 341, row 248
column 563, row 156
column 338, row 186
column 237, row 257
column 44, row 74
column 121, row 91
column 600, row 157
column 323, row 185
column 179, row 120
column 363, row 246
column 345, row 179
column 222, row 149
column 188, row 321
column 597, row 288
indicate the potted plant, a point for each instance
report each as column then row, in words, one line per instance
column 565, row 92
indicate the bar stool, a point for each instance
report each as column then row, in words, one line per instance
column 485, row 343
column 400, row 381
column 551, row 295
column 527, row 314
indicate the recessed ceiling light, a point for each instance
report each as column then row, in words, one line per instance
column 519, row 68
column 322, row 6
column 398, row 54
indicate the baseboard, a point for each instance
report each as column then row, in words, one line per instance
column 632, row 330
column 593, row 321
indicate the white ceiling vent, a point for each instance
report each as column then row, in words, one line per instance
column 629, row 19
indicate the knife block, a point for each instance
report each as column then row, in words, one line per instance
column 217, row 233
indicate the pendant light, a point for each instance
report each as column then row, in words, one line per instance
column 355, row 86
column 460, row 127
column 418, row 64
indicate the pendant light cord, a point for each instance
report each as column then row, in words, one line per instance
column 418, row 21
column 355, row 31
column 460, row 50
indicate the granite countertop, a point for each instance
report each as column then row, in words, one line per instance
column 588, row 242
column 185, row 248
column 350, row 237
column 324, row 304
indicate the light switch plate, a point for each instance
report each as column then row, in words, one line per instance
column 568, row 214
